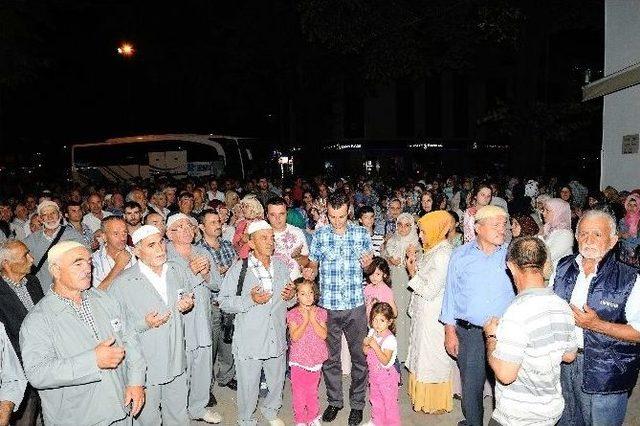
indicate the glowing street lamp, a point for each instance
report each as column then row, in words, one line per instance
column 126, row 49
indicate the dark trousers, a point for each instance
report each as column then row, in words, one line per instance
column 28, row 411
column 353, row 323
column 472, row 362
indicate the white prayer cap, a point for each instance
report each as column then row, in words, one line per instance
column 176, row 217
column 61, row 248
column 143, row 232
column 47, row 203
column 258, row 225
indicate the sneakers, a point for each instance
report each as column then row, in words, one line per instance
column 355, row 417
column 211, row 416
column 276, row 422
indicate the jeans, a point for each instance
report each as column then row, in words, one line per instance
column 586, row 409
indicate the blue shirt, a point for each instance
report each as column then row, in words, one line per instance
column 339, row 267
column 478, row 286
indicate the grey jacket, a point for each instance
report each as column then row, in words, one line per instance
column 38, row 244
column 162, row 347
column 260, row 330
column 58, row 353
column 197, row 322
column 12, row 379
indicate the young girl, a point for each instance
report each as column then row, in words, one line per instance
column 380, row 347
column 378, row 288
column 307, row 351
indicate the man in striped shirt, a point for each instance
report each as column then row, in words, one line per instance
column 527, row 345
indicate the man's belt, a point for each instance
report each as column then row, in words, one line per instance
column 467, row 325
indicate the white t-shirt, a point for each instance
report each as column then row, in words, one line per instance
column 390, row 344
column 285, row 243
column 93, row 222
column 159, row 282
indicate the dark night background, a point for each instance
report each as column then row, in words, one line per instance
column 298, row 73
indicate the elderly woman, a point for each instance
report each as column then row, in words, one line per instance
column 430, row 385
column 403, row 241
column 252, row 211
column 557, row 233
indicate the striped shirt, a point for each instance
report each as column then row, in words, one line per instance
column 83, row 310
column 536, row 330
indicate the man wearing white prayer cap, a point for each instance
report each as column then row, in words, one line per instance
column 260, row 311
column 73, row 348
column 155, row 295
column 198, row 335
column 53, row 231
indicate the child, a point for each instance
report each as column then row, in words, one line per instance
column 381, row 348
column 307, row 351
column 378, row 288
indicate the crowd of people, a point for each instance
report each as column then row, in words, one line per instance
column 129, row 304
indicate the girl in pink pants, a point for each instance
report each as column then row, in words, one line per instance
column 381, row 348
column 308, row 350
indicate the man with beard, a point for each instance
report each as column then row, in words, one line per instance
column 133, row 218
column 52, row 232
column 114, row 256
column 73, row 347
column 154, row 295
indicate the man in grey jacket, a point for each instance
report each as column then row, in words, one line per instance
column 12, row 379
column 259, row 339
column 154, row 294
column 73, row 346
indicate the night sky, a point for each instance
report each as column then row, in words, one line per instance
column 271, row 68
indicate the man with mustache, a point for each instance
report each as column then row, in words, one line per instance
column 73, row 348
column 605, row 298
column 53, row 231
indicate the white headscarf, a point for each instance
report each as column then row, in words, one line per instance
column 397, row 244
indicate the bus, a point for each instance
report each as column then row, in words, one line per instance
column 176, row 155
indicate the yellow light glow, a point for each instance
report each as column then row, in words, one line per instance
column 126, row 49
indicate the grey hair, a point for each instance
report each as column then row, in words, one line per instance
column 6, row 250
column 592, row 214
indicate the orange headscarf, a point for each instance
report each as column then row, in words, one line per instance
column 435, row 226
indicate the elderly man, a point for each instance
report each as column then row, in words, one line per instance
column 223, row 256
column 605, row 298
column 291, row 244
column 198, row 335
column 527, row 345
column 19, row 292
column 73, row 348
column 93, row 219
column 477, row 289
column 341, row 251
column 114, row 256
column 156, row 220
column 155, row 295
column 158, row 204
column 259, row 292
column 52, row 232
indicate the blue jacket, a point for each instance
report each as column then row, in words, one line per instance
column 610, row 365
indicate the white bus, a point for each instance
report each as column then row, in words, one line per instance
column 177, row 155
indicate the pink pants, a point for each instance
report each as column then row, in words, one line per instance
column 383, row 394
column 304, row 398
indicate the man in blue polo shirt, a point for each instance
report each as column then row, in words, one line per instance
column 339, row 252
column 477, row 289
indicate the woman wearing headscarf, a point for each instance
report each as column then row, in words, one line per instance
column 538, row 208
column 403, row 241
column 629, row 223
column 430, row 368
column 524, row 226
column 556, row 232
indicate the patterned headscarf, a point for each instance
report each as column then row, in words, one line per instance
column 560, row 217
column 528, row 226
column 397, row 244
column 632, row 219
column 435, row 226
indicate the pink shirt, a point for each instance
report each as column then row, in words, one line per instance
column 376, row 293
column 310, row 350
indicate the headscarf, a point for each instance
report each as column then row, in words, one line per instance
column 397, row 244
column 560, row 217
column 528, row 226
column 435, row 226
column 632, row 219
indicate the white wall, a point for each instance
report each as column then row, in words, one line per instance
column 621, row 112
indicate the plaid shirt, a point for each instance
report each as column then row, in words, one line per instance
column 20, row 289
column 84, row 311
column 339, row 270
column 224, row 256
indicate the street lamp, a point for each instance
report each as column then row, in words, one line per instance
column 126, row 49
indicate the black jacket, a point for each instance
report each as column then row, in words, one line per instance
column 13, row 312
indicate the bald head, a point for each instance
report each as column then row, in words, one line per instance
column 15, row 259
column 71, row 270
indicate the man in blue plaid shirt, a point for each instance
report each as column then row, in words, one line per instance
column 338, row 253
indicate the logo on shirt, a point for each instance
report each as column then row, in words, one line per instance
column 609, row 304
column 116, row 325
